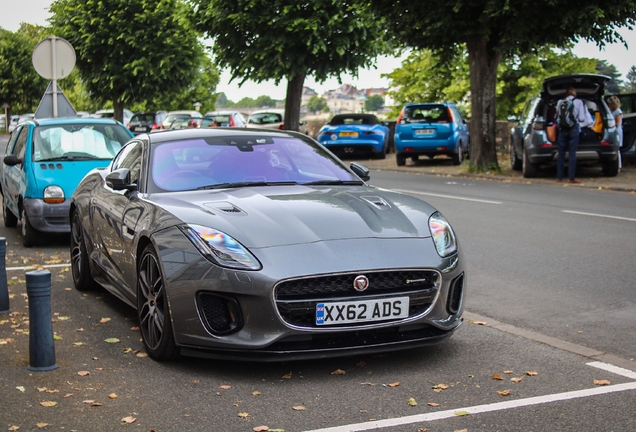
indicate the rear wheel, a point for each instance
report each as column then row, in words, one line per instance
column 459, row 156
column 10, row 220
column 528, row 168
column 610, row 169
column 153, row 310
column 29, row 234
column 400, row 159
column 79, row 257
column 515, row 162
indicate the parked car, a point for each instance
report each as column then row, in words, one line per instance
column 533, row 140
column 3, row 122
column 13, row 122
column 179, row 119
column 244, row 243
column 271, row 119
column 431, row 129
column 145, row 122
column 355, row 134
column 628, row 106
column 224, row 119
column 44, row 161
column 110, row 113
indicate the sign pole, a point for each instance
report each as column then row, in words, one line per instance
column 53, row 71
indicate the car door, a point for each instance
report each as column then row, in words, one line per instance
column 14, row 181
column 113, row 223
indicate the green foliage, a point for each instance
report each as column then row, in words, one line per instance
column 264, row 102
column 316, row 104
column 604, row 68
column 20, row 85
column 122, row 62
column 246, row 102
column 630, row 83
column 374, row 103
column 221, row 100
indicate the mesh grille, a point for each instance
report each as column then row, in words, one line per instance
column 217, row 313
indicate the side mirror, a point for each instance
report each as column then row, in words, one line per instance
column 12, row 160
column 120, row 180
column 360, row 170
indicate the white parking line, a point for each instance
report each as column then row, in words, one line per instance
column 447, row 196
column 599, row 215
column 498, row 406
column 33, row 267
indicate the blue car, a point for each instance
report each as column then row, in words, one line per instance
column 431, row 129
column 44, row 162
column 355, row 134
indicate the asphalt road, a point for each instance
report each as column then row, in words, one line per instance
column 550, row 305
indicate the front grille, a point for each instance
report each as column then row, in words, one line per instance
column 455, row 294
column 296, row 299
column 220, row 315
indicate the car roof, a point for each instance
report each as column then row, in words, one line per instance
column 272, row 110
column 412, row 104
column 584, row 84
column 70, row 120
column 183, row 134
column 191, row 112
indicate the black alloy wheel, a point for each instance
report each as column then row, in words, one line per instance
column 152, row 309
column 515, row 162
column 80, row 268
column 29, row 234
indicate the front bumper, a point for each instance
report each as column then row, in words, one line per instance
column 45, row 217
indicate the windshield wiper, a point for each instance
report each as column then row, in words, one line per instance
column 72, row 157
column 247, row 184
column 333, row 182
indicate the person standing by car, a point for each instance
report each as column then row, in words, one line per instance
column 572, row 117
column 615, row 105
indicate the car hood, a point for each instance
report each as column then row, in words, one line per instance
column 584, row 84
column 283, row 215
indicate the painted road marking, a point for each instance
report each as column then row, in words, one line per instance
column 34, row 268
column 447, row 196
column 498, row 406
column 599, row 215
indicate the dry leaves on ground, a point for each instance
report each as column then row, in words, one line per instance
column 601, row 382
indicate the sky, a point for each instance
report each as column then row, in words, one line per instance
column 13, row 12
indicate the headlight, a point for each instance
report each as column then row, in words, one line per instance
column 443, row 235
column 220, row 248
column 53, row 195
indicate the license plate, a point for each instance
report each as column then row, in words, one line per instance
column 424, row 132
column 348, row 134
column 357, row 311
column 140, row 129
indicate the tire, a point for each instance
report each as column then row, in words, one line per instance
column 529, row 169
column 610, row 169
column 29, row 234
column 10, row 220
column 459, row 156
column 400, row 159
column 515, row 162
column 80, row 268
column 152, row 309
column 382, row 154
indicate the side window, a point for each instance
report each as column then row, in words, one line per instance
column 19, row 147
column 130, row 157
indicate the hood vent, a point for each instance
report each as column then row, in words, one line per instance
column 377, row 202
column 224, row 207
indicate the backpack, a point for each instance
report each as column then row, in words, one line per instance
column 565, row 117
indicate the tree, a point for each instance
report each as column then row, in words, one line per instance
column 493, row 29
column 122, row 62
column 374, row 103
column 316, row 104
column 221, row 100
column 604, row 68
column 630, row 84
column 20, row 85
column 264, row 102
column 287, row 40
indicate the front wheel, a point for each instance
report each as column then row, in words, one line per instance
column 153, row 310
column 79, row 257
column 29, row 234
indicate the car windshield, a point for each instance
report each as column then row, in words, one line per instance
column 142, row 118
column 237, row 161
column 78, row 141
column 353, row 119
column 220, row 119
column 265, row 118
column 426, row 114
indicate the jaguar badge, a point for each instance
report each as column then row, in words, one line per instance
column 361, row 283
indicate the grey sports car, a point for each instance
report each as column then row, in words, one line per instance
column 256, row 244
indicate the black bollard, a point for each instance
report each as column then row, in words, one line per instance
column 41, row 345
column 5, row 306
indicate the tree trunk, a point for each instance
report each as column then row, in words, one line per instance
column 483, row 81
column 292, row 102
column 118, row 110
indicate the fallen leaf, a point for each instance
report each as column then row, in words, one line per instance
column 261, row 429
column 225, row 387
column 497, row 377
column 507, row 372
column 461, row 413
column 243, row 415
column 516, row 380
column 461, row 430
column 48, row 403
column 367, row 383
column 480, row 323
column 338, row 372
column 395, row 384
column 299, row 408
column 21, row 388
column 433, row 404
column 68, row 395
column 56, row 337
column 78, row 343
column 83, row 373
column 129, row 419
column 96, row 404
column 422, row 430
column 439, row 387
column 88, row 401
column 412, row 402
column 503, row 392
column 112, row 340
column 134, row 328
column 287, row 376
column 256, row 393
column 112, row 396
column 104, row 320
column 532, row 373
column 601, row 382
column 14, row 428
column 41, row 425
column 64, row 318
column 361, row 364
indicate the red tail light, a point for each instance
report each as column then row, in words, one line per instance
column 232, row 124
column 399, row 120
column 155, row 126
column 450, row 115
column 606, row 143
column 281, row 127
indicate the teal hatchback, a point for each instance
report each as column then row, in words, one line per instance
column 44, row 162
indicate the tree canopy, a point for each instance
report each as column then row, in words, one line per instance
column 493, row 29
column 287, row 40
column 129, row 50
